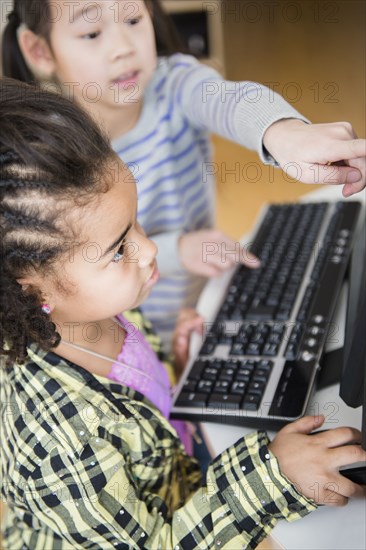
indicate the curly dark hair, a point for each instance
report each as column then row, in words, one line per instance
column 52, row 156
column 37, row 16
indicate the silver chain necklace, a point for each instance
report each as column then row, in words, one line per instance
column 166, row 389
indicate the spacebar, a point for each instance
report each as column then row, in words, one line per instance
column 260, row 313
column 191, row 399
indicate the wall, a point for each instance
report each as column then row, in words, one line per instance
column 311, row 51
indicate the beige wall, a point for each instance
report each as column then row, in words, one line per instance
column 314, row 50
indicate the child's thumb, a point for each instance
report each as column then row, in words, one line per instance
column 249, row 259
column 305, row 425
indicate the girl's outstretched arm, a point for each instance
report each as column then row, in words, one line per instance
column 256, row 117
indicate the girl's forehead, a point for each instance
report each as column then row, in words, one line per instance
column 76, row 11
column 115, row 206
column 107, row 210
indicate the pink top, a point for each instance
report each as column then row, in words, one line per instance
column 147, row 375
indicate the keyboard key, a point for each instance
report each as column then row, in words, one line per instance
column 283, row 314
column 218, row 400
column 244, row 372
column 263, row 373
column 192, row 399
column 205, row 386
column 251, row 402
column 226, row 337
column 216, row 364
column 238, row 314
column 197, row 370
column 256, row 387
column 273, row 301
column 237, row 349
column 233, row 364
column 227, row 374
column 257, row 338
column 189, row 385
column 210, row 373
column 277, row 328
column 274, row 339
column 240, row 377
column 239, row 387
column 262, row 379
column 208, row 348
column 222, row 386
column 261, row 312
column 296, row 333
column 244, row 299
column 242, row 338
column 291, row 351
column 270, row 349
column 265, row 364
column 254, row 349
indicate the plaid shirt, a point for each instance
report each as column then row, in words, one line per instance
column 88, row 463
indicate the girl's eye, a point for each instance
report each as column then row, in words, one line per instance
column 91, row 35
column 119, row 254
column 134, row 20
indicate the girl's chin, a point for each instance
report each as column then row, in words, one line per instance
column 144, row 295
column 142, row 298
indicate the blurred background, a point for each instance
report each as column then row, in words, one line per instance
column 311, row 51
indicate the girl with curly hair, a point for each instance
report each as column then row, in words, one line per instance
column 88, row 461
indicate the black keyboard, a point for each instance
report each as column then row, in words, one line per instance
column 260, row 356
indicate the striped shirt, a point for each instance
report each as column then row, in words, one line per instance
column 169, row 154
column 89, row 463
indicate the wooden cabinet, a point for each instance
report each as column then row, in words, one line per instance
column 199, row 23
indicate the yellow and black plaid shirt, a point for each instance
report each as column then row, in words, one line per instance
column 88, row 463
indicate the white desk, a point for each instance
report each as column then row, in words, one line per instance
column 327, row 528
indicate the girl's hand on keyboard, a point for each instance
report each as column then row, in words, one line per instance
column 319, row 153
column 312, row 462
column 188, row 321
column 209, row 252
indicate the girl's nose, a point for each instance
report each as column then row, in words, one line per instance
column 146, row 251
column 121, row 45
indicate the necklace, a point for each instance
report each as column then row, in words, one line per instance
column 168, row 389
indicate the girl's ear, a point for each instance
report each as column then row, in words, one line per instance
column 37, row 53
column 31, row 284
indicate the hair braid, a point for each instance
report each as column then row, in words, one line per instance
column 14, row 183
column 8, row 156
column 52, row 157
column 18, row 218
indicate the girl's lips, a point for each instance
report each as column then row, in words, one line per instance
column 127, row 79
column 154, row 277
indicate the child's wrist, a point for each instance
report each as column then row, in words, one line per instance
column 277, row 133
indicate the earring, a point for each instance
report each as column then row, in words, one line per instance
column 46, row 308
